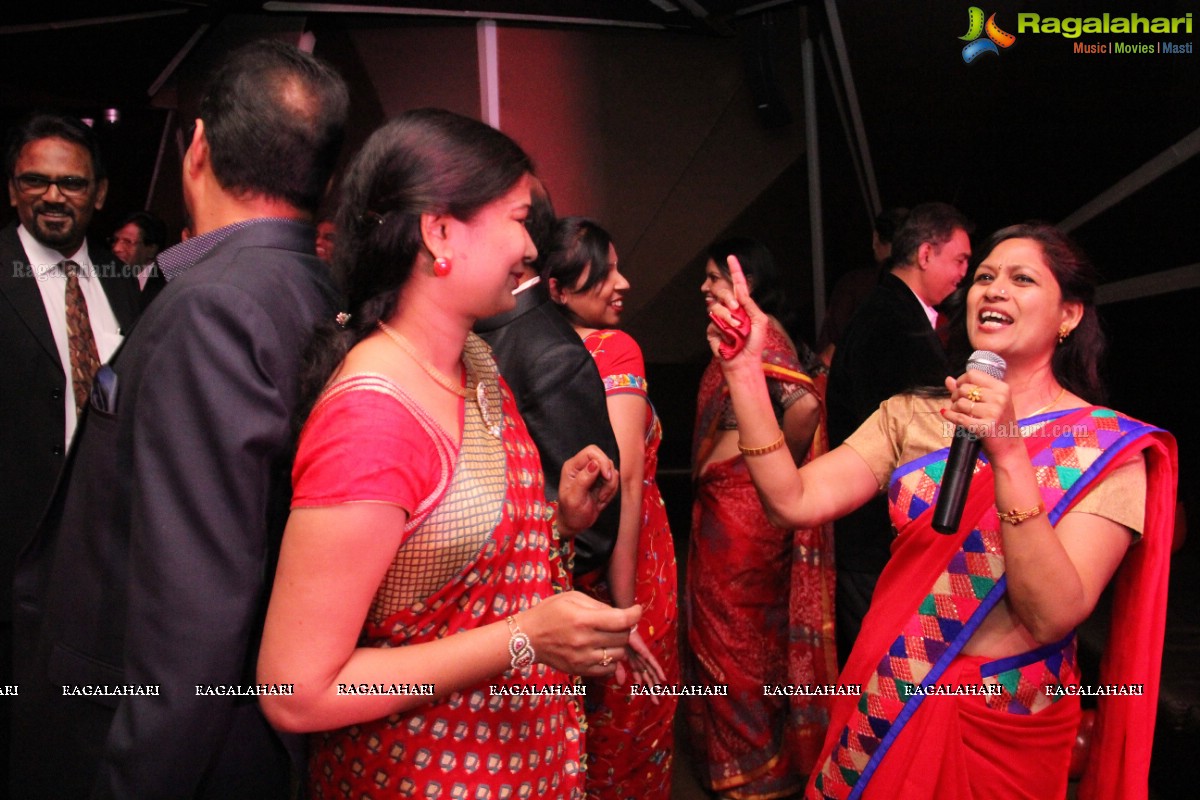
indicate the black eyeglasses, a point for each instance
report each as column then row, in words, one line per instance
column 32, row 183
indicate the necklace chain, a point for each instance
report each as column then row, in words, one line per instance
column 1052, row 403
column 438, row 377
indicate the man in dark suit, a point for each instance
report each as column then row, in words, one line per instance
column 557, row 388
column 890, row 346
column 137, row 240
column 139, row 604
column 56, row 181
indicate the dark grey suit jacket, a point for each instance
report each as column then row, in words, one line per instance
column 32, row 384
column 561, row 398
column 155, row 560
column 889, row 347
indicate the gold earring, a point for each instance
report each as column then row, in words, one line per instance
column 1063, row 333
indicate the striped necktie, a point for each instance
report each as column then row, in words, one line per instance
column 85, row 358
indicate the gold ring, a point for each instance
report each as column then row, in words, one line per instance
column 975, row 396
column 605, row 658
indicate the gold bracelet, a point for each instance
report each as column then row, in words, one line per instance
column 762, row 451
column 1016, row 517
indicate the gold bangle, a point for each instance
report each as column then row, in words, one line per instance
column 762, row 451
column 1016, row 517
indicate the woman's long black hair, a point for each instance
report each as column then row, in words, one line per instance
column 428, row 161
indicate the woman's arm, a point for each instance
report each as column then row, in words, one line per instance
column 331, row 563
column 627, row 414
column 800, row 421
column 1055, row 573
column 827, row 487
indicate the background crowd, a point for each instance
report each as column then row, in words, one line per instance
column 411, row 446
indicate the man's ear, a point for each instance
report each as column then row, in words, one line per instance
column 101, row 193
column 924, row 252
column 196, row 157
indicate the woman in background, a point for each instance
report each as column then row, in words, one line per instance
column 966, row 657
column 420, row 568
column 630, row 737
column 758, row 599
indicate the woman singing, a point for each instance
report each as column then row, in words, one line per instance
column 419, row 607
column 966, row 660
column 759, row 598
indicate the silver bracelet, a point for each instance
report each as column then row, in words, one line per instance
column 519, row 646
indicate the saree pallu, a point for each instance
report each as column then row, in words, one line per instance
column 902, row 739
column 631, row 738
column 759, row 606
column 477, row 550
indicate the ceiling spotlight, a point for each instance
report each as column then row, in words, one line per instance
column 112, row 115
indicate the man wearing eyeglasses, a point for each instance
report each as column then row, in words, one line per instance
column 150, row 573
column 55, row 182
column 136, row 241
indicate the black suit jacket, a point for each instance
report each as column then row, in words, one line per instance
column 155, row 560
column 561, row 398
column 889, row 347
column 32, row 383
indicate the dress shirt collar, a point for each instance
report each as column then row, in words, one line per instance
column 44, row 260
column 930, row 312
column 174, row 261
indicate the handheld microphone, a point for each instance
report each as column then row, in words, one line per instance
column 964, row 450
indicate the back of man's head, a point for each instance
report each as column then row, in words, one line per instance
column 274, row 118
column 46, row 125
column 934, row 223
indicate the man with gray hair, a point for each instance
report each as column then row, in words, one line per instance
column 139, row 604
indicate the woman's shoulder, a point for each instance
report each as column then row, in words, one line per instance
column 613, row 347
column 361, row 397
column 611, row 338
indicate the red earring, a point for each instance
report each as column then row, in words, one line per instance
column 441, row 267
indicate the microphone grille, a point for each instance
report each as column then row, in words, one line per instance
column 988, row 363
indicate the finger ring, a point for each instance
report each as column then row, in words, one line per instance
column 605, row 658
column 975, row 396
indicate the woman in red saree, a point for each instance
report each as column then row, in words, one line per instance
column 966, row 663
column 630, row 737
column 758, row 599
column 421, row 609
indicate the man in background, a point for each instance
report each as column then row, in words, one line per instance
column 138, row 239
column 854, row 287
column 151, row 571
column 890, row 346
column 64, row 305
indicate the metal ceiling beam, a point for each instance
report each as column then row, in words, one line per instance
column 1141, row 177
column 839, row 46
column 286, row 6
column 88, row 22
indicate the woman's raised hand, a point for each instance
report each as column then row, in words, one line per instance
column 751, row 352
column 588, row 483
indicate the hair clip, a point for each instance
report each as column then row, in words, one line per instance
column 341, row 318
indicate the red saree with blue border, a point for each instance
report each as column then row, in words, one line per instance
column 897, row 741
